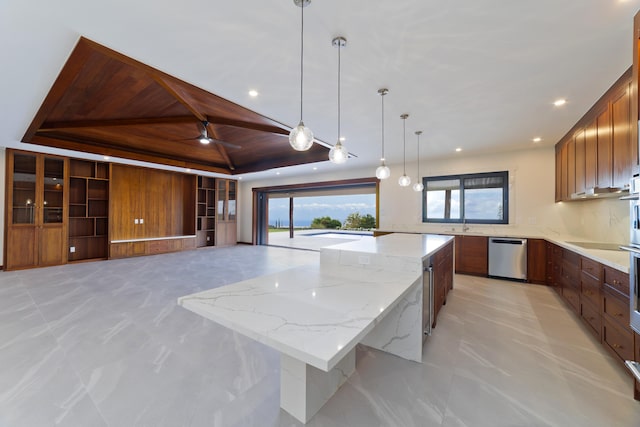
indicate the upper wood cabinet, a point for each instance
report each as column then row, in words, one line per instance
column 36, row 217
column 623, row 161
column 600, row 150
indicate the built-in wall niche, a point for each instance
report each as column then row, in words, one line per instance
column 206, row 219
column 88, row 209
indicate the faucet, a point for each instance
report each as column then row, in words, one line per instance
column 465, row 227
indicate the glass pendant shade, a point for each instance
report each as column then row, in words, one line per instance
column 418, row 187
column 404, row 181
column 338, row 154
column 383, row 171
column 301, row 137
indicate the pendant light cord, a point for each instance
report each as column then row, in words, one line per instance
column 339, row 48
column 404, row 149
column 301, row 55
column 418, row 157
column 382, row 96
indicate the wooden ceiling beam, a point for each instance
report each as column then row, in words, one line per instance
column 247, row 125
column 182, row 98
column 99, row 147
column 75, row 124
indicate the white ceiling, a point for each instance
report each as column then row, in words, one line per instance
column 475, row 74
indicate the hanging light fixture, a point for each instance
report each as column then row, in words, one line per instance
column 338, row 153
column 418, row 185
column 301, row 137
column 382, row 172
column 404, row 180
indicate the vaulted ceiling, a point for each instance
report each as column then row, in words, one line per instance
column 480, row 75
column 106, row 103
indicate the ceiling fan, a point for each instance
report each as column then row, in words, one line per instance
column 204, row 138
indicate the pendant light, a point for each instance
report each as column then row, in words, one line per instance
column 338, row 153
column 404, row 180
column 301, row 137
column 382, row 172
column 418, row 185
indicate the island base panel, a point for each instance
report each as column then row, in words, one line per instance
column 304, row 389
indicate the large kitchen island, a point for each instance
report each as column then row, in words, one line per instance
column 383, row 292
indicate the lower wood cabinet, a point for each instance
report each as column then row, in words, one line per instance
column 472, row 255
column 150, row 247
column 442, row 277
column 536, row 261
column 618, row 339
column 636, row 393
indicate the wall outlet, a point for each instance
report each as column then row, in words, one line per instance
column 208, row 238
column 135, row 221
column 141, row 220
column 364, row 260
column 72, row 249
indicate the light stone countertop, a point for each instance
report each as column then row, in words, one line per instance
column 313, row 314
column 614, row 259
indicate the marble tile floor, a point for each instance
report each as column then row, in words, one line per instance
column 104, row 344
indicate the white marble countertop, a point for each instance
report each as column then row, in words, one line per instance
column 314, row 315
column 416, row 246
column 614, row 259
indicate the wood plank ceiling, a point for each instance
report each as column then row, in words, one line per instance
column 106, row 103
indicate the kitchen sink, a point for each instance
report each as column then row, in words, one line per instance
column 598, row 245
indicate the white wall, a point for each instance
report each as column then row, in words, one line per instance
column 532, row 207
column 3, row 164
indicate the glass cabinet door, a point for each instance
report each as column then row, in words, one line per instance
column 232, row 201
column 222, row 200
column 53, row 190
column 24, row 189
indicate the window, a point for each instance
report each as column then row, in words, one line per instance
column 481, row 198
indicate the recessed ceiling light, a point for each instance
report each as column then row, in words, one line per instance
column 253, row 93
column 537, row 139
column 559, row 102
column 458, row 149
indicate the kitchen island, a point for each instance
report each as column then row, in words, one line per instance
column 370, row 292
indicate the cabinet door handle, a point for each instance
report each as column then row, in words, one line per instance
column 617, row 346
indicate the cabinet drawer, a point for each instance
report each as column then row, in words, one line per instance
column 572, row 297
column 617, row 308
column 617, row 280
column 591, row 267
column 619, row 340
column 592, row 317
column 590, row 288
column 571, row 257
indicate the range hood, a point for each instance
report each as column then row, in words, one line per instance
column 600, row 192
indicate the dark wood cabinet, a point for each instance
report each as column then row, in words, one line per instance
column 88, row 209
column 636, row 393
column 570, row 279
column 472, row 255
column 36, row 218
column 153, row 206
column 623, row 159
column 601, row 149
column 537, row 261
column 591, row 295
column 442, row 263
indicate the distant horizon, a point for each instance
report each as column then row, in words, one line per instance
column 306, row 209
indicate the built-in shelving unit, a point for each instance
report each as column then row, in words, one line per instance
column 206, row 219
column 88, row 209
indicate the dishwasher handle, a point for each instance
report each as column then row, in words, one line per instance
column 508, row 241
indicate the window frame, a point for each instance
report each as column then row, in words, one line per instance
column 461, row 177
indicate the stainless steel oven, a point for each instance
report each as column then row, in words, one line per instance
column 634, row 264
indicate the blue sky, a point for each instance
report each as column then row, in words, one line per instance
column 305, row 209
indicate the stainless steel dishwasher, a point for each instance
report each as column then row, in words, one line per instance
column 508, row 258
